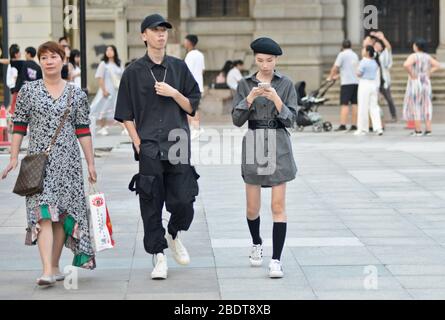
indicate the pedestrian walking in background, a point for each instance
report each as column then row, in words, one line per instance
column 345, row 67
column 156, row 94
column 103, row 107
column 384, row 50
column 418, row 105
column 15, row 73
column 221, row 78
column 31, row 70
column 235, row 75
column 58, row 215
column 196, row 62
column 368, row 72
column 64, row 43
column 267, row 100
column 74, row 68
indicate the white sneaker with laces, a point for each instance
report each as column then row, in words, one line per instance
column 276, row 269
column 256, row 256
column 160, row 269
column 180, row 253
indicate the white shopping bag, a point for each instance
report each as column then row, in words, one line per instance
column 101, row 228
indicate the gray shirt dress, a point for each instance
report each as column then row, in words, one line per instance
column 260, row 144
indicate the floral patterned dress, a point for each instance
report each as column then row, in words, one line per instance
column 63, row 199
column 418, row 103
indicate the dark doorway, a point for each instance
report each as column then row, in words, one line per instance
column 405, row 21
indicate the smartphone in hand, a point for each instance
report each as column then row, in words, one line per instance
column 264, row 85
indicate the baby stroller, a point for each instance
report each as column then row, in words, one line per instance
column 308, row 114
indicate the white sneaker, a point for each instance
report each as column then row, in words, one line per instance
column 380, row 133
column 160, row 269
column 178, row 250
column 359, row 133
column 125, row 133
column 103, row 132
column 275, row 269
column 256, row 256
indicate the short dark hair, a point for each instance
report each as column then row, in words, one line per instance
column 31, row 51
column 13, row 50
column 63, row 38
column 347, row 44
column 193, row 39
column 421, row 44
column 238, row 63
column 52, row 47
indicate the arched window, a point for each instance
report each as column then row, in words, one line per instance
column 222, row 8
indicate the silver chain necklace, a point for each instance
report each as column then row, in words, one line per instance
column 154, row 78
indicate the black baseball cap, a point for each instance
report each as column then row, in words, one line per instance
column 153, row 21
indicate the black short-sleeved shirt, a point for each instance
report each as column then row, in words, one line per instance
column 19, row 65
column 31, row 71
column 156, row 116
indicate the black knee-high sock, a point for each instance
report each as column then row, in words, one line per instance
column 279, row 236
column 254, row 227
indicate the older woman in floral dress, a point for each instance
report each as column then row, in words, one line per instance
column 57, row 216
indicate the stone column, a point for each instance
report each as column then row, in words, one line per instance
column 120, row 34
column 32, row 23
column 441, row 48
column 354, row 22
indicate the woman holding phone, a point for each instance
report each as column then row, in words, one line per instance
column 266, row 100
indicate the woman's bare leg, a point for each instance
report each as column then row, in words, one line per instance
column 429, row 126
column 279, row 203
column 253, row 198
column 58, row 243
column 45, row 243
column 418, row 126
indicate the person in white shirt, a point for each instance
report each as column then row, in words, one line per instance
column 11, row 77
column 383, row 47
column 234, row 76
column 196, row 63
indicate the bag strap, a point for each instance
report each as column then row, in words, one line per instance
column 64, row 117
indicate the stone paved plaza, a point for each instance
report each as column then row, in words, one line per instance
column 366, row 221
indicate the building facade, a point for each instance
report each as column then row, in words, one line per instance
column 310, row 31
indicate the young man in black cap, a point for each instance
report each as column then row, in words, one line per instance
column 156, row 94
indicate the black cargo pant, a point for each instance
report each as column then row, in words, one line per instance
column 160, row 182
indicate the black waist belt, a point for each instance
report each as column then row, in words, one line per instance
column 266, row 124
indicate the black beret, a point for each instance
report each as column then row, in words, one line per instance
column 266, row 46
column 153, row 21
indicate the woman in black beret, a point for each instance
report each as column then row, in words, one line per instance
column 267, row 100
